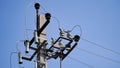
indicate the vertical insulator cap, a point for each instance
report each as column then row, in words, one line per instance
column 37, row 5
column 26, row 41
column 47, row 16
column 76, row 38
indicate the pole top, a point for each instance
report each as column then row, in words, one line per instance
column 37, row 5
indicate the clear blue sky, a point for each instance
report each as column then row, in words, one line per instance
column 99, row 19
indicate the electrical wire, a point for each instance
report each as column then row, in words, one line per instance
column 26, row 33
column 43, row 8
column 11, row 58
column 98, row 45
column 26, row 11
column 57, row 21
column 51, row 16
column 75, row 27
column 80, row 62
column 107, row 58
column 94, row 42
column 89, row 41
column 29, row 29
column 17, row 45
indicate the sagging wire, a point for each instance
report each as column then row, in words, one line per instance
column 43, row 8
column 26, row 33
column 51, row 16
column 98, row 46
column 57, row 21
column 79, row 28
column 94, row 42
column 55, row 18
column 17, row 42
column 101, row 46
column 80, row 62
column 26, row 11
column 59, row 26
column 11, row 58
column 107, row 58
column 29, row 5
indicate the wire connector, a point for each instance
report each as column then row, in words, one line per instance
column 69, row 36
column 53, row 41
column 61, row 32
column 60, row 44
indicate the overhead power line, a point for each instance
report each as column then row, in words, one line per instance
column 107, row 58
column 80, row 62
column 79, row 28
column 98, row 45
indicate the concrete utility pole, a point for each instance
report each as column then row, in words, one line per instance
column 57, row 48
column 41, row 59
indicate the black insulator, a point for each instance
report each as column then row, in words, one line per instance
column 37, row 5
column 47, row 16
column 76, row 38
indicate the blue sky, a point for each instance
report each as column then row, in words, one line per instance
column 99, row 20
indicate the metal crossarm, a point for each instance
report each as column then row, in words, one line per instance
column 64, row 56
column 43, row 44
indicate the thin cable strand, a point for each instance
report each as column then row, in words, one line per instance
column 80, row 62
column 57, row 21
column 51, row 16
column 11, row 58
column 101, row 46
column 26, row 11
column 98, row 55
column 17, row 42
column 43, row 8
column 79, row 27
column 94, row 42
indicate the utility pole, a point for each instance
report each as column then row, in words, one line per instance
column 59, row 48
column 41, row 59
